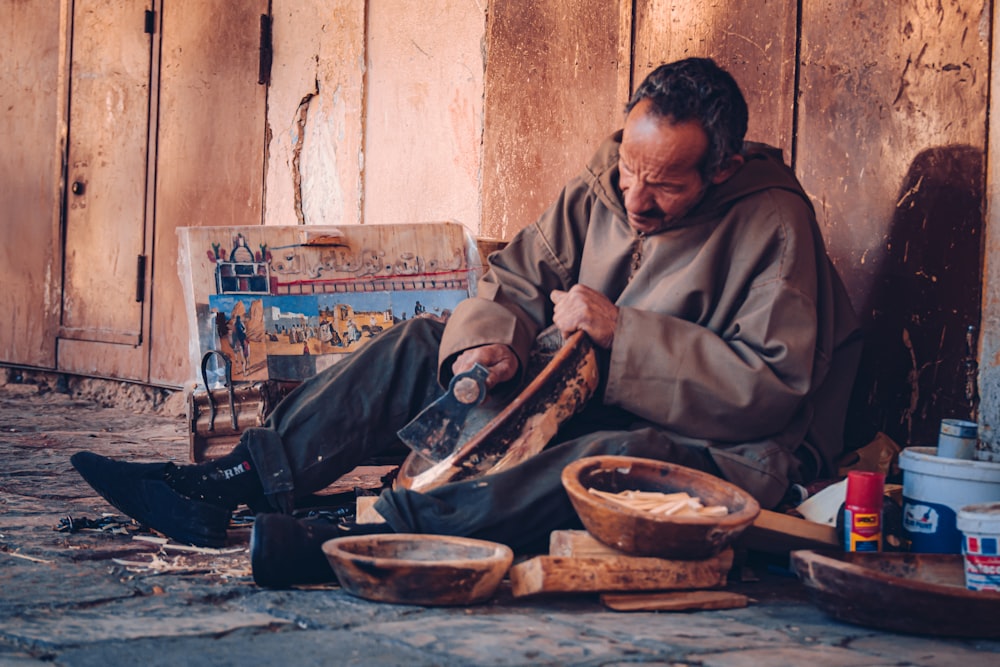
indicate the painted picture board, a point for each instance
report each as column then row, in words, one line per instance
column 285, row 302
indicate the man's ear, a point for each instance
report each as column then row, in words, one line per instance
column 730, row 168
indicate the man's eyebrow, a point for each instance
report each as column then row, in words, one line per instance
column 669, row 182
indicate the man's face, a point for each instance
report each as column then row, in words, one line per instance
column 659, row 161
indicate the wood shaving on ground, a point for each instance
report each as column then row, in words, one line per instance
column 680, row 503
column 330, row 586
column 193, row 560
column 17, row 554
column 166, row 544
column 181, row 564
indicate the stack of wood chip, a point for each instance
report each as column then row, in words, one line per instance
column 680, row 503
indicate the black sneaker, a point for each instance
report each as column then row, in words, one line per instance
column 287, row 551
column 139, row 490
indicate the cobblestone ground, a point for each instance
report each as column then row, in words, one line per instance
column 102, row 597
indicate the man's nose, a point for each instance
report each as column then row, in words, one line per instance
column 638, row 198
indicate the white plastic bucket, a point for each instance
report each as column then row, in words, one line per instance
column 935, row 489
column 980, row 526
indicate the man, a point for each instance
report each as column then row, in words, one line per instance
column 726, row 342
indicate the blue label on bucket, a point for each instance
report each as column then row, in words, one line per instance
column 931, row 527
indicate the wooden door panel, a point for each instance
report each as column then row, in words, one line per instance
column 891, row 143
column 106, row 167
column 753, row 39
column 210, row 154
column 30, row 51
column 551, row 96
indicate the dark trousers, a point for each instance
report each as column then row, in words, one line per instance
column 351, row 412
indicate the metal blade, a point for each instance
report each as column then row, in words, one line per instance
column 435, row 432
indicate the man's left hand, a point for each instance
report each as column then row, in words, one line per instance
column 584, row 309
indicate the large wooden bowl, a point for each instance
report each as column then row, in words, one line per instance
column 418, row 569
column 643, row 533
column 921, row 594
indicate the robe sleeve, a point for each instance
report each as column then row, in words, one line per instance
column 512, row 302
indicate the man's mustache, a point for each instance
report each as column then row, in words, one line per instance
column 650, row 214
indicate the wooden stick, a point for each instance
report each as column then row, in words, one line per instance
column 679, row 503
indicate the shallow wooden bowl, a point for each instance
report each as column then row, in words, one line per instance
column 418, row 569
column 643, row 533
column 915, row 593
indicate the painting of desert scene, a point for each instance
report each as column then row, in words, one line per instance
column 239, row 334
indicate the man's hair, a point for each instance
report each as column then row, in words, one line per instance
column 698, row 89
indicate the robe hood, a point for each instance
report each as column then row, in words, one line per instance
column 762, row 169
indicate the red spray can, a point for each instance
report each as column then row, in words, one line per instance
column 863, row 511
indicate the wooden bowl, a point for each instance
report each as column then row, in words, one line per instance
column 642, row 533
column 418, row 569
column 563, row 377
column 922, row 594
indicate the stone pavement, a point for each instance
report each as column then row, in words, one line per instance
column 94, row 597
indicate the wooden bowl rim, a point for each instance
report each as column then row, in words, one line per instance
column 805, row 560
column 574, row 487
column 499, row 553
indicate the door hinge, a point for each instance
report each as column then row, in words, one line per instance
column 266, row 51
column 140, row 279
column 150, row 19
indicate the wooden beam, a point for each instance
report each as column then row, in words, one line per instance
column 568, row 574
column 774, row 532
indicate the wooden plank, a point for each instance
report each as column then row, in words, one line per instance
column 891, row 138
column 551, row 96
column 989, row 344
column 362, row 477
column 753, row 39
column 106, row 175
column 774, row 532
column 102, row 359
column 579, row 543
column 563, row 574
column 674, row 601
column 210, row 151
column 32, row 95
column 625, row 22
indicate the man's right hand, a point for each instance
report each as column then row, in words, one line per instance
column 497, row 358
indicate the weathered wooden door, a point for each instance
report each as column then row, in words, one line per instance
column 211, row 130
column 105, row 208
column 166, row 129
column 29, row 229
